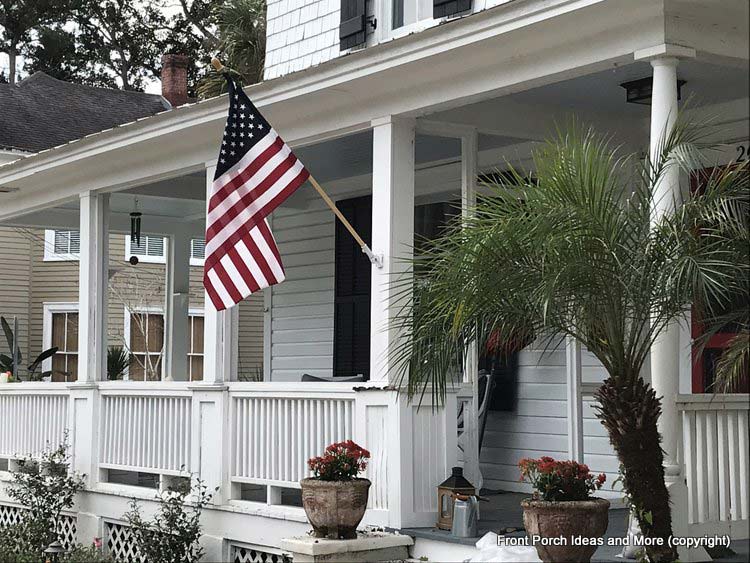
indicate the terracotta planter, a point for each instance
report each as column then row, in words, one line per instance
column 571, row 520
column 335, row 508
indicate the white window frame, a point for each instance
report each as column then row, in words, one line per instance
column 48, row 309
column 196, row 261
column 145, row 257
column 192, row 311
column 49, row 248
column 157, row 259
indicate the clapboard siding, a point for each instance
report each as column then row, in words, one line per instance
column 538, row 426
column 15, row 272
column 302, row 307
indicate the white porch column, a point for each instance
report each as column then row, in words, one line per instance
column 392, row 232
column 93, row 287
column 219, row 329
column 666, row 351
column 176, row 321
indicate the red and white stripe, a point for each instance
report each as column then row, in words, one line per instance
column 241, row 253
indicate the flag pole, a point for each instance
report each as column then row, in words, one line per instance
column 377, row 260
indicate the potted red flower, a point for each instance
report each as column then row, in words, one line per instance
column 567, row 523
column 334, row 498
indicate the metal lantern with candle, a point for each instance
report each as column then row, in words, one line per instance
column 454, row 485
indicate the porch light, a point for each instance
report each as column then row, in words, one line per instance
column 454, row 485
column 639, row 91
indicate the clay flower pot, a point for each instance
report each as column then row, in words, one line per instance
column 335, row 508
column 574, row 521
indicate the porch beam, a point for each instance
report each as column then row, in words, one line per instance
column 176, row 319
column 93, row 287
column 392, row 234
column 219, row 328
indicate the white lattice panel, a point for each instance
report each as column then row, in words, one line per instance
column 120, row 545
column 66, row 529
column 254, row 554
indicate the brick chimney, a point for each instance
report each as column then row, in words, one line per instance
column 174, row 78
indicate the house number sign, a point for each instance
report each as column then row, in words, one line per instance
column 742, row 151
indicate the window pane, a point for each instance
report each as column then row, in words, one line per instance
column 155, row 333
column 197, row 340
column 398, row 14
column 137, row 329
column 155, row 246
column 62, row 242
column 58, row 367
column 196, row 368
column 72, row 367
column 136, row 367
column 72, row 333
column 75, row 242
column 58, row 331
column 153, row 370
column 198, row 248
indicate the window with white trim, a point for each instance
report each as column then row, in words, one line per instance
column 153, row 248
column 60, row 330
column 60, row 244
column 195, row 348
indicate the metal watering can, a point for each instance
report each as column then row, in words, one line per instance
column 465, row 516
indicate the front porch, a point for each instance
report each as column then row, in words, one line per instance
column 402, row 159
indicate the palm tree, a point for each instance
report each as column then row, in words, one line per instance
column 575, row 251
column 242, row 44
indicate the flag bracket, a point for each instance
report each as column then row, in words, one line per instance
column 375, row 259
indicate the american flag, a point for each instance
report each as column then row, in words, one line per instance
column 255, row 173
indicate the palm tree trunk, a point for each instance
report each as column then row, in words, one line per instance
column 629, row 410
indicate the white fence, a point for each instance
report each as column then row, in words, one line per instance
column 716, row 454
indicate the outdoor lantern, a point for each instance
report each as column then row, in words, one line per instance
column 454, row 485
column 639, row 91
column 52, row 553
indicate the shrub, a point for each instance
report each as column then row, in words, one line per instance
column 559, row 480
column 45, row 487
column 341, row 461
column 173, row 535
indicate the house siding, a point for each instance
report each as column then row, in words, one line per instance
column 30, row 282
column 302, row 307
column 14, row 289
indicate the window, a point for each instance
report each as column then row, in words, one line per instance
column 195, row 348
column 146, row 336
column 153, row 248
column 145, row 331
column 60, row 330
column 61, row 245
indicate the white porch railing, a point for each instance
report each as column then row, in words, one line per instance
column 237, row 433
column 145, row 429
column 275, row 431
column 716, row 456
column 33, row 417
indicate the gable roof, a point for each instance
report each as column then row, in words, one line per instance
column 41, row 112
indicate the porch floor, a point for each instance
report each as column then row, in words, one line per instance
column 503, row 511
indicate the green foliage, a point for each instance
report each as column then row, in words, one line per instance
column 118, row 360
column 45, row 487
column 8, row 364
column 241, row 44
column 9, row 552
column 174, row 533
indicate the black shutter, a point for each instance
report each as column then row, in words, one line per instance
column 351, row 328
column 443, row 8
column 352, row 26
